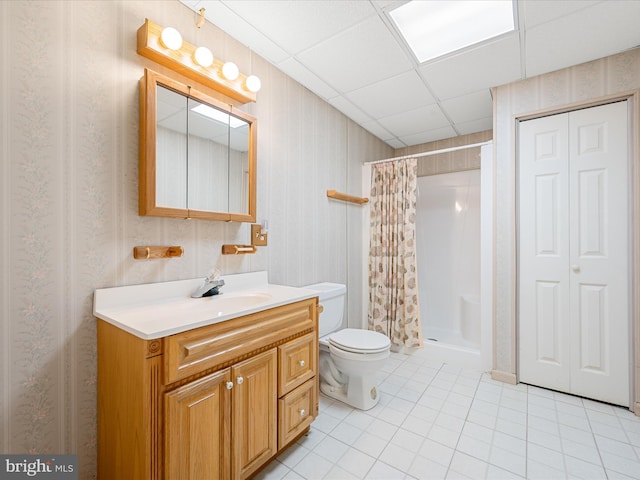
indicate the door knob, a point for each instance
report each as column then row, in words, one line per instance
column 229, row 385
column 239, row 380
column 575, row 268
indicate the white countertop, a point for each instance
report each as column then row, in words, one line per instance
column 155, row 310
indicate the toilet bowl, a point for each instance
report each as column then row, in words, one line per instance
column 350, row 358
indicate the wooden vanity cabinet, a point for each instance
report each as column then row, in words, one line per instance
column 217, row 402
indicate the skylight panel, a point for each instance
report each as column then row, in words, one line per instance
column 436, row 27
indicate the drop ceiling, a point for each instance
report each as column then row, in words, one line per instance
column 349, row 53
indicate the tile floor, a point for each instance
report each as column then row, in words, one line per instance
column 435, row 421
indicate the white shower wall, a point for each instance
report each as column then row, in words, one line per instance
column 448, row 237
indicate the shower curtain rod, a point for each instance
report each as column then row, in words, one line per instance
column 433, row 152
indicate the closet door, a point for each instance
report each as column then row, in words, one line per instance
column 573, row 253
column 543, row 269
column 599, row 186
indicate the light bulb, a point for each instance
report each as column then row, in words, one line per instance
column 203, row 56
column 230, row 71
column 171, row 38
column 253, row 83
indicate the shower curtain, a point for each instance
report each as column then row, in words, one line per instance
column 393, row 281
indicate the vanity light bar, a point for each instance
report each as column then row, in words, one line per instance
column 182, row 61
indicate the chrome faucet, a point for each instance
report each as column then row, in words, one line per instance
column 211, row 286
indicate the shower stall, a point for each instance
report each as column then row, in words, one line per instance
column 454, row 234
column 448, row 251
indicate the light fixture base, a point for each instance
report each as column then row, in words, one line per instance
column 181, row 61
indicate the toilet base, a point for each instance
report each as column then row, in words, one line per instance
column 359, row 393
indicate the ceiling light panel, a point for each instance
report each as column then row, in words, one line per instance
column 436, row 28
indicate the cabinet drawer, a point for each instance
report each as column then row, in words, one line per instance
column 296, row 362
column 295, row 412
column 194, row 351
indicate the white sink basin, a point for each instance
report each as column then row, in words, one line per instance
column 156, row 310
column 227, row 303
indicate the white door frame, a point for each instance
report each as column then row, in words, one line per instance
column 633, row 99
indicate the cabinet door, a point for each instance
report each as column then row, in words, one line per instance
column 197, row 437
column 254, row 413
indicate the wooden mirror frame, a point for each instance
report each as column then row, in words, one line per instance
column 147, row 151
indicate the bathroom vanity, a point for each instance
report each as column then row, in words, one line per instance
column 206, row 388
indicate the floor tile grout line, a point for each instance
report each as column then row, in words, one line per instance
column 414, row 406
column 493, row 432
column 405, row 403
column 466, row 419
column 595, row 441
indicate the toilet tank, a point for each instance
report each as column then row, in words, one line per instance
column 331, row 297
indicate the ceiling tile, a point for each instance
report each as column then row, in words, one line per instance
column 542, row 11
column 359, row 56
column 296, row 26
column 388, row 4
column 377, row 129
column 428, row 136
column 393, row 95
column 584, row 36
column 395, row 143
column 415, row 121
column 493, row 64
column 479, row 125
column 302, row 75
column 238, row 28
column 350, row 110
column 469, row 107
column 349, row 53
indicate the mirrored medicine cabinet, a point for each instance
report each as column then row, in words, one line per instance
column 197, row 154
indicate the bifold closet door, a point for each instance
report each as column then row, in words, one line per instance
column 573, row 253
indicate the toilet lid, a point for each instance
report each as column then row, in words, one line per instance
column 359, row 341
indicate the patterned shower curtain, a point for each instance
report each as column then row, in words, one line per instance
column 393, row 279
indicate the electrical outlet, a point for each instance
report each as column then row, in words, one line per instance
column 258, row 238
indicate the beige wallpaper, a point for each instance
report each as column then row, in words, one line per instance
column 455, row 161
column 580, row 84
column 68, row 201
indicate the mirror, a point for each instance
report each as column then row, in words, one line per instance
column 197, row 154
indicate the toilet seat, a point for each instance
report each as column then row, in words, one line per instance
column 354, row 340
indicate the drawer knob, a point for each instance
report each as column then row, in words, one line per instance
column 302, row 412
column 302, row 363
column 229, row 385
column 239, row 380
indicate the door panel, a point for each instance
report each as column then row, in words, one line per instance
column 573, row 208
column 547, row 228
column 548, row 323
column 599, row 180
column 593, row 350
column 544, row 356
column 593, row 211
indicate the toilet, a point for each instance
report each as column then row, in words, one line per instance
column 350, row 358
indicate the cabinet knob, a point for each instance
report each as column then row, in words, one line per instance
column 302, row 363
column 239, row 380
column 302, row 412
column 575, row 268
column 229, row 385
